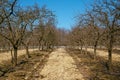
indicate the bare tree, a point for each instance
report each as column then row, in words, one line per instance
column 100, row 23
column 62, row 37
column 46, row 19
column 95, row 30
column 107, row 14
column 6, row 9
column 33, row 15
column 14, row 28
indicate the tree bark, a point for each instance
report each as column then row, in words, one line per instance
column 15, row 56
column 110, row 53
column 86, row 49
column 12, row 56
column 81, row 48
column 27, row 52
column 39, row 46
column 42, row 47
column 109, row 60
column 95, row 48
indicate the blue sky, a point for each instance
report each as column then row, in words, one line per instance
column 65, row 10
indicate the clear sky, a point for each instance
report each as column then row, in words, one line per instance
column 65, row 10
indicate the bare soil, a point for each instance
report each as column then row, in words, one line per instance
column 25, row 68
column 94, row 69
column 60, row 66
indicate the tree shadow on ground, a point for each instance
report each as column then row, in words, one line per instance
column 94, row 69
column 7, row 71
column 115, row 51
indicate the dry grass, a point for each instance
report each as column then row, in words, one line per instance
column 24, row 66
column 104, row 53
column 94, row 69
column 7, row 55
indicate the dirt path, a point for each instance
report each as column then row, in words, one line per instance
column 60, row 66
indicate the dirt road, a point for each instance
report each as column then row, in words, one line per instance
column 60, row 66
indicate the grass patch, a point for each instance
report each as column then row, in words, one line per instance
column 7, row 71
column 94, row 69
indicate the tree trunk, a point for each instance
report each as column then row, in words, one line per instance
column 8, row 47
column 110, row 53
column 15, row 56
column 109, row 59
column 95, row 51
column 33, row 46
column 27, row 52
column 85, row 49
column 12, row 57
column 42, row 47
column 81, row 48
column 95, row 47
column 39, row 47
column 100, row 46
column 96, row 43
